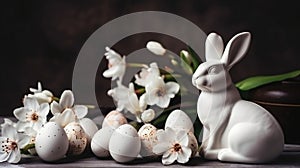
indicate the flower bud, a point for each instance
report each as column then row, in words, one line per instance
column 156, row 48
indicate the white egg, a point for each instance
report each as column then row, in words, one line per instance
column 89, row 127
column 179, row 120
column 114, row 119
column 77, row 138
column 147, row 134
column 193, row 143
column 51, row 142
column 100, row 142
column 124, row 144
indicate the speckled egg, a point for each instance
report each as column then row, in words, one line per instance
column 114, row 119
column 51, row 142
column 77, row 138
column 100, row 142
column 179, row 120
column 124, row 144
column 193, row 143
column 147, row 134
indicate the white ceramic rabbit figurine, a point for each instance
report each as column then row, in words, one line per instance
column 235, row 130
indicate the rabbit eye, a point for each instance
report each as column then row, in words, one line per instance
column 213, row 70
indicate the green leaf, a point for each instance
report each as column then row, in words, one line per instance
column 185, row 58
column 159, row 122
column 256, row 81
column 187, row 68
column 27, row 147
column 194, row 58
column 136, row 125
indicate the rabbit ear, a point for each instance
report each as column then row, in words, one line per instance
column 236, row 49
column 213, row 47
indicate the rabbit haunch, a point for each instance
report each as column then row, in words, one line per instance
column 235, row 130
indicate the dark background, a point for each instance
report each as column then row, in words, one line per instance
column 40, row 40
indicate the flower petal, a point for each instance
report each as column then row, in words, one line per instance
column 143, row 102
column 111, row 72
column 20, row 113
column 44, row 110
column 167, row 135
column 150, row 98
column 9, row 131
column 172, row 88
column 148, row 115
column 167, row 153
column 55, row 108
column 117, row 65
column 37, row 125
column 182, row 137
column 67, row 99
column 20, row 126
column 146, row 74
column 163, row 101
column 8, row 121
column 161, row 148
column 111, row 54
column 3, row 155
column 31, row 103
column 184, row 155
column 22, row 140
column 170, row 159
column 133, row 103
column 15, row 156
column 64, row 118
column 80, row 111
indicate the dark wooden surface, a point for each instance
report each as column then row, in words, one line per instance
column 289, row 158
column 286, row 160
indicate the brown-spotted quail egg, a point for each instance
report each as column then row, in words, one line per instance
column 100, row 142
column 89, row 127
column 114, row 119
column 147, row 134
column 124, row 144
column 193, row 143
column 51, row 142
column 179, row 120
column 77, row 138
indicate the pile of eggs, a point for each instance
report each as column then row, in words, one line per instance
column 116, row 138
column 123, row 143
column 53, row 142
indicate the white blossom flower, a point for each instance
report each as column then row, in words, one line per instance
column 127, row 99
column 121, row 95
column 9, row 122
column 42, row 96
column 138, row 107
column 158, row 92
column 116, row 65
column 172, row 146
column 10, row 144
column 156, row 48
column 65, row 111
column 147, row 74
column 32, row 114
